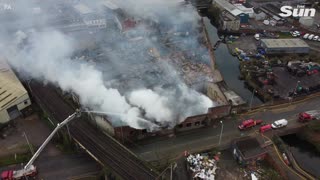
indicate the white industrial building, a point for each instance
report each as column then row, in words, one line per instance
column 14, row 98
column 229, row 22
column 285, row 46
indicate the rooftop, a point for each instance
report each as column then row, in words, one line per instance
column 109, row 4
column 10, row 86
column 234, row 98
column 278, row 43
column 229, row 7
column 249, row 147
column 82, row 9
column 244, row 9
column 228, row 16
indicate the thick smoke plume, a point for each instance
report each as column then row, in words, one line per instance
column 119, row 83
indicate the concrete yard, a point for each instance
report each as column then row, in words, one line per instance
column 246, row 43
column 35, row 130
column 286, row 83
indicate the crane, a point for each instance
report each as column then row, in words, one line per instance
column 29, row 169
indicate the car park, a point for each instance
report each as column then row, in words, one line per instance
column 279, row 123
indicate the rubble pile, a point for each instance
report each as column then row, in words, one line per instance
column 202, row 167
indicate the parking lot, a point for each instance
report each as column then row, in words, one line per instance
column 286, row 82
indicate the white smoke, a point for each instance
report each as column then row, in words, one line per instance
column 47, row 56
column 48, row 59
column 154, row 105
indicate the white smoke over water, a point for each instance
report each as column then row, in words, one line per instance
column 162, row 101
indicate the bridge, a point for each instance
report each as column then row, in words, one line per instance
column 103, row 148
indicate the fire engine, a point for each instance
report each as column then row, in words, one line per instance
column 29, row 169
column 249, row 123
column 309, row 115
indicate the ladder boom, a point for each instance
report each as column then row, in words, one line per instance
column 59, row 126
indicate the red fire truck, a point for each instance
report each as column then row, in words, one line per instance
column 249, row 123
column 19, row 174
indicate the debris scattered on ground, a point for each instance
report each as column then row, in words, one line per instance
column 202, row 166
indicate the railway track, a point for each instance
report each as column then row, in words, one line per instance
column 102, row 147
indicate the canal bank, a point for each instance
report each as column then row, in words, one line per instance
column 304, row 153
column 228, row 65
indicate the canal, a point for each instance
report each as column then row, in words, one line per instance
column 229, row 66
column 304, row 153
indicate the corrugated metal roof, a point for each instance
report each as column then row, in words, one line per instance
column 10, row 86
column 229, row 7
column 279, row 43
column 82, row 9
column 109, row 4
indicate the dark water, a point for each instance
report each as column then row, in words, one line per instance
column 305, row 154
column 229, row 66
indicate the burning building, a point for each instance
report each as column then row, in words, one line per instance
column 148, row 76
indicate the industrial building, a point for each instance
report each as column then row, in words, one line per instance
column 281, row 46
column 14, row 98
column 248, row 151
column 229, row 22
column 90, row 18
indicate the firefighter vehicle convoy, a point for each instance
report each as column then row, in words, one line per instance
column 30, row 170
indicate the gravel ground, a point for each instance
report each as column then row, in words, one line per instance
column 245, row 43
column 36, row 131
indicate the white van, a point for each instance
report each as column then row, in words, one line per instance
column 279, row 123
column 306, row 36
column 311, row 37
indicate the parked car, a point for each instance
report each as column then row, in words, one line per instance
column 315, row 38
column 279, row 123
column 265, row 128
column 257, row 37
column 306, row 36
column 311, row 37
column 319, row 39
column 296, row 33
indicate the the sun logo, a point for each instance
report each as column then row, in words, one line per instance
column 299, row 11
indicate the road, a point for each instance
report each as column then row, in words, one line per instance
column 63, row 166
column 196, row 140
column 67, row 167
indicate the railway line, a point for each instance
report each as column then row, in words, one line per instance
column 104, row 148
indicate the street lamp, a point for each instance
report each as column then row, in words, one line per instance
column 254, row 90
column 295, row 91
column 221, row 132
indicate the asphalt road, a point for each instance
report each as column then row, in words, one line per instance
column 67, row 167
column 205, row 138
column 63, row 167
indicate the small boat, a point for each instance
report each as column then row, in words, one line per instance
column 217, row 44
